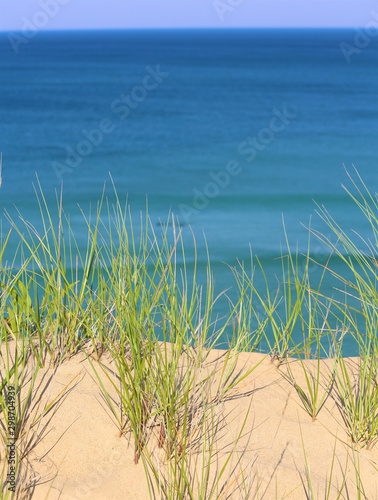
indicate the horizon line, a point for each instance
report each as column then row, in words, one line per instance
column 194, row 28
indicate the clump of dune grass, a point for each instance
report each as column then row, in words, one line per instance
column 59, row 312
column 22, row 413
column 358, row 315
column 317, row 385
column 358, row 397
column 280, row 313
column 312, row 392
column 196, row 466
column 162, row 331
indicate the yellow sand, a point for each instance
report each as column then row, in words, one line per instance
column 79, row 455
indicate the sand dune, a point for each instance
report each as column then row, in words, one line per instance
column 76, row 451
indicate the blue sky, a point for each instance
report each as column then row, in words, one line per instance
column 92, row 14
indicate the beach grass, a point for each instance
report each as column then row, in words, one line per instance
column 130, row 294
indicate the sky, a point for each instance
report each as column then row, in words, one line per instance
column 109, row 14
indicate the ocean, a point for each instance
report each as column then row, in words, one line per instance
column 235, row 132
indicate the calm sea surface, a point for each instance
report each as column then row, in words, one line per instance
column 232, row 131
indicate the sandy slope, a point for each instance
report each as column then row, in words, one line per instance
column 79, row 455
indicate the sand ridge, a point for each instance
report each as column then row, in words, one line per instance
column 79, row 454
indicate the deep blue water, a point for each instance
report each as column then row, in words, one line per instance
column 192, row 99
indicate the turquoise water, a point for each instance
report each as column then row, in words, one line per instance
column 229, row 130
